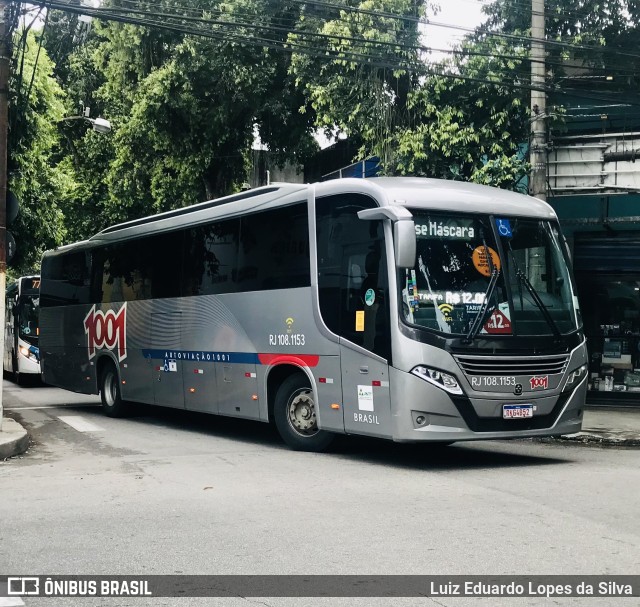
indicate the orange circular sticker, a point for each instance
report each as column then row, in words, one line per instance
column 480, row 261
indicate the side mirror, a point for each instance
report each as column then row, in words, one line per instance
column 404, row 232
column 404, row 243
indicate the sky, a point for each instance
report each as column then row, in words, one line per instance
column 465, row 13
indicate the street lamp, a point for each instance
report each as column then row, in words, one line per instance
column 100, row 125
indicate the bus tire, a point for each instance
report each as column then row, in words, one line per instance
column 294, row 413
column 112, row 403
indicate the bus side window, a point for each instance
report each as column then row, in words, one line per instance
column 211, row 257
column 66, row 279
column 274, row 249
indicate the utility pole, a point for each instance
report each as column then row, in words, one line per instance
column 538, row 147
column 5, row 59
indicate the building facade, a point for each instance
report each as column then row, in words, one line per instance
column 594, row 187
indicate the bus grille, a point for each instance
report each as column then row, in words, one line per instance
column 510, row 365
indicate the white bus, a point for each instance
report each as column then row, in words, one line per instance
column 21, row 330
column 404, row 308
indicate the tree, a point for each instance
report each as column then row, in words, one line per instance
column 36, row 104
column 470, row 120
column 184, row 108
column 418, row 118
column 592, row 45
column 358, row 64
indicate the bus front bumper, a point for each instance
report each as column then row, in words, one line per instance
column 425, row 412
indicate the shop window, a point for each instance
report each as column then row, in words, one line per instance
column 611, row 312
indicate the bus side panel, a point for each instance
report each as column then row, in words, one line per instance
column 63, row 349
column 136, row 369
column 328, row 380
column 166, row 334
column 280, row 327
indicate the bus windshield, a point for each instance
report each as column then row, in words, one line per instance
column 480, row 275
column 28, row 318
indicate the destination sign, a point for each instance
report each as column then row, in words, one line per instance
column 458, row 229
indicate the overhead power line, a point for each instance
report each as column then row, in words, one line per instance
column 163, row 22
column 378, row 14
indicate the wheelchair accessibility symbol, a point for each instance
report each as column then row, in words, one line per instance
column 504, row 227
column 170, row 366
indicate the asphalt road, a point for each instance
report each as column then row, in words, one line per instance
column 172, row 493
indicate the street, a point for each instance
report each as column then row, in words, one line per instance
column 168, row 492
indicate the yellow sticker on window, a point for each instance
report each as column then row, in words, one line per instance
column 359, row 320
column 481, row 260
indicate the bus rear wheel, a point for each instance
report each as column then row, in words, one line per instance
column 294, row 413
column 112, row 403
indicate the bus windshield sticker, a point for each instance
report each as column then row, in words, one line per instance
column 504, row 228
column 499, row 322
column 453, row 229
column 446, row 310
column 481, row 261
column 365, row 398
column 359, row 320
column 370, row 297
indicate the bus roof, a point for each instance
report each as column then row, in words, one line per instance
column 411, row 192
column 444, row 194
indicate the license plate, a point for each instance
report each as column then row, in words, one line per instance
column 517, row 411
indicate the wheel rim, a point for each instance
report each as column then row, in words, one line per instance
column 110, row 389
column 301, row 413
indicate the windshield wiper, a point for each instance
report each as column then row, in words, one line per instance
column 479, row 319
column 522, row 277
column 488, row 294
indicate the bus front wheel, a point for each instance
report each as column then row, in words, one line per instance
column 295, row 416
column 112, row 402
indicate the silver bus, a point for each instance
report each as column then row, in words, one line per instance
column 21, row 329
column 403, row 308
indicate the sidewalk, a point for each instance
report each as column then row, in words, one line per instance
column 13, row 438
column 601, row 425
column 610, row 426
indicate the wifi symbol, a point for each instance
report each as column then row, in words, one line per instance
column 289, row 322
column 446, row 310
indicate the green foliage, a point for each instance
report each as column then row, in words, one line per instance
column 416, row 122
column 359, row 76
column 38, row 183
column 183, row 109
column 592, row 51
column 468, row 128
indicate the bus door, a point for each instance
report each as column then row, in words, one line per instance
column 365, row 322
column 169, row 360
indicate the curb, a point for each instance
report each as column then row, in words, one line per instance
column 608, row 439
column 13, row 439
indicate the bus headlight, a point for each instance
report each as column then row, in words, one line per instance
column 31, row 352
column 576, row 376
column 443, row 380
